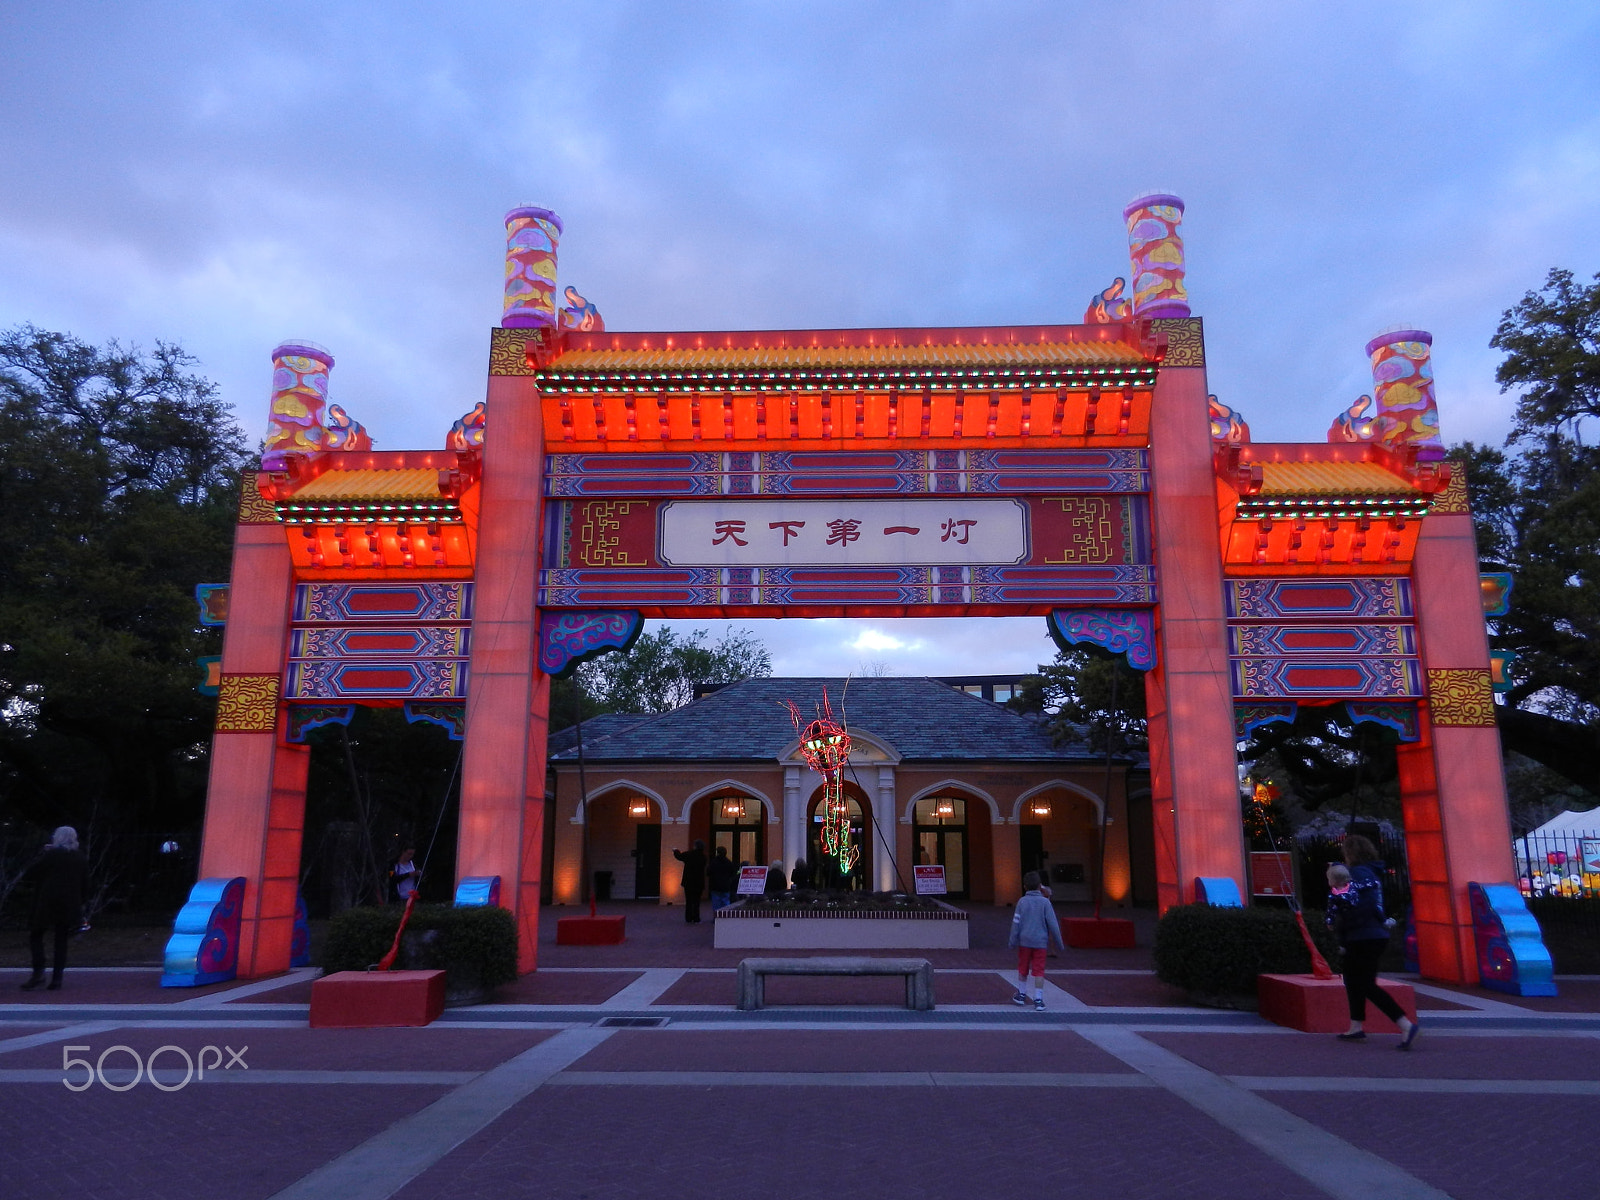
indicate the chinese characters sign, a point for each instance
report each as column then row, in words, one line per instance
column 843, row 533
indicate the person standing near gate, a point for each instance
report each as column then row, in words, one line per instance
column 59, row 875
column 694, row 879
column 723, row 877
column 1355, row 913
column 1034, row 926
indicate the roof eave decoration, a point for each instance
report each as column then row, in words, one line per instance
column 1348, row 507
column 853, row 386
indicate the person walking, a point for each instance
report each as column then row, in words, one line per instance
column 1355, row 914
column 1034, row 927
column 694, row 879
column 723, row 877
column 59, row 875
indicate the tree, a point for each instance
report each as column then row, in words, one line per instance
column 119, row 478
column 1075, row 696
column 660, row 671
column 1552, row 344
column 1537, row 514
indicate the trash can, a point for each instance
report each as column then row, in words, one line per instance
column 602, row 884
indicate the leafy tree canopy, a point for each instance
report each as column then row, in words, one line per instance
column 119, row 475
column 659, row 672
column 1087, row 695
column 1536, row 506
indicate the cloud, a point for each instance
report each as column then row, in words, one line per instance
column 870, row 639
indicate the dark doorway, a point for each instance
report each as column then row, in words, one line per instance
column 1033, row 852
column 647, row 862
column 1142, row 849
column 825, row 870
column 939, row 836
column 739, row 826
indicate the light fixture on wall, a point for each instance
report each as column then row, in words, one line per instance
column 944, row 809
column 638, row 808
column 1040, row 809
column 733, row 810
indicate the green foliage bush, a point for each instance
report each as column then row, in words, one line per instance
column 475, row 947
column 1210, row 951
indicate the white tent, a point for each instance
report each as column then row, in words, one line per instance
column 1573, row 838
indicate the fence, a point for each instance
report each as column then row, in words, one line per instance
column 1559, row 873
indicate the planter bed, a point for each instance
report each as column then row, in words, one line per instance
column 929, row 925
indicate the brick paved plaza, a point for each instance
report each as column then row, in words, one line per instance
column 1118, row 1089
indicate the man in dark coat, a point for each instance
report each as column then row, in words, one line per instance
column 723, row 877
column 58, row 902
column 694, row 879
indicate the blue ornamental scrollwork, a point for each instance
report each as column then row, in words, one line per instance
column 204, row 946
column 567, row 639
column 1126, row 631
column 478, row 891
column 1511, row 953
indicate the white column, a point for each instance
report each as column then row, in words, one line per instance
column 794, row 818
column 884, row 832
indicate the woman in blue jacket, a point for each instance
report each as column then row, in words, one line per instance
column 1355, row 914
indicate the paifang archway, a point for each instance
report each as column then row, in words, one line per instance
column 1077, row 472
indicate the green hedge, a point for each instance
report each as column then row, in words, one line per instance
column 476, row 947
column 1212, row 951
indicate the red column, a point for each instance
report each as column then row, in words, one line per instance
column 502, row 776
column 1458, row 825
column 255, row 800
column 1194, row 785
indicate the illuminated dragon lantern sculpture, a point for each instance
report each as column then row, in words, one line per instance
column 825, row 745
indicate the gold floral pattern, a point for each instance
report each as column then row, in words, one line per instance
column 247, row 704
column 1186, row 344
column 254, row 508
column 1453, row 500
column 508, row 350
column 1460, row 696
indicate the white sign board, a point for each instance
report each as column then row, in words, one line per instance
column 1591, row 855
column 929, row 880
column 842, row 533
column 752, row 881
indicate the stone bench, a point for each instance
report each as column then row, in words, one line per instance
column 753, row 973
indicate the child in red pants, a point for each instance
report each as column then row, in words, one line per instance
column 1033, row 928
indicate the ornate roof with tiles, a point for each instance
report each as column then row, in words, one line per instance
column 919, row 719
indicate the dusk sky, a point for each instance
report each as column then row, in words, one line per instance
column 229, row 176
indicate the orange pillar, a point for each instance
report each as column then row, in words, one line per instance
column 255, row 800
column 508, row 698
column 1453, row 792
column 1193, row 781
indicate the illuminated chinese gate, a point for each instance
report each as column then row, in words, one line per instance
column 1075, row 472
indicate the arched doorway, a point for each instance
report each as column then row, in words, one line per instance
column 825, row 871
column 739, row 826
column 624, row 846
column 939, row 837
column 1059, row 834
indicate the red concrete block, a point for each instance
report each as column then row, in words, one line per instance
column 1314, row 1005
column 1099, row 933
column 372, row 999
column 590, row 931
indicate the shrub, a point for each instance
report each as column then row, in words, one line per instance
column 476, row 947
column 1210, row 951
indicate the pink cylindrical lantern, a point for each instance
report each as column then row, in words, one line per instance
column 299, row 396
column 532, row 235
column 1155, row 250
column 1402, row 378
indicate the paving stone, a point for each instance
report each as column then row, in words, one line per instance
column 1437, row 1055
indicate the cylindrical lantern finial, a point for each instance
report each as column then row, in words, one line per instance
column 532, row 235
column 299, row 395
column 1155, row 250
column 1402, row 377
